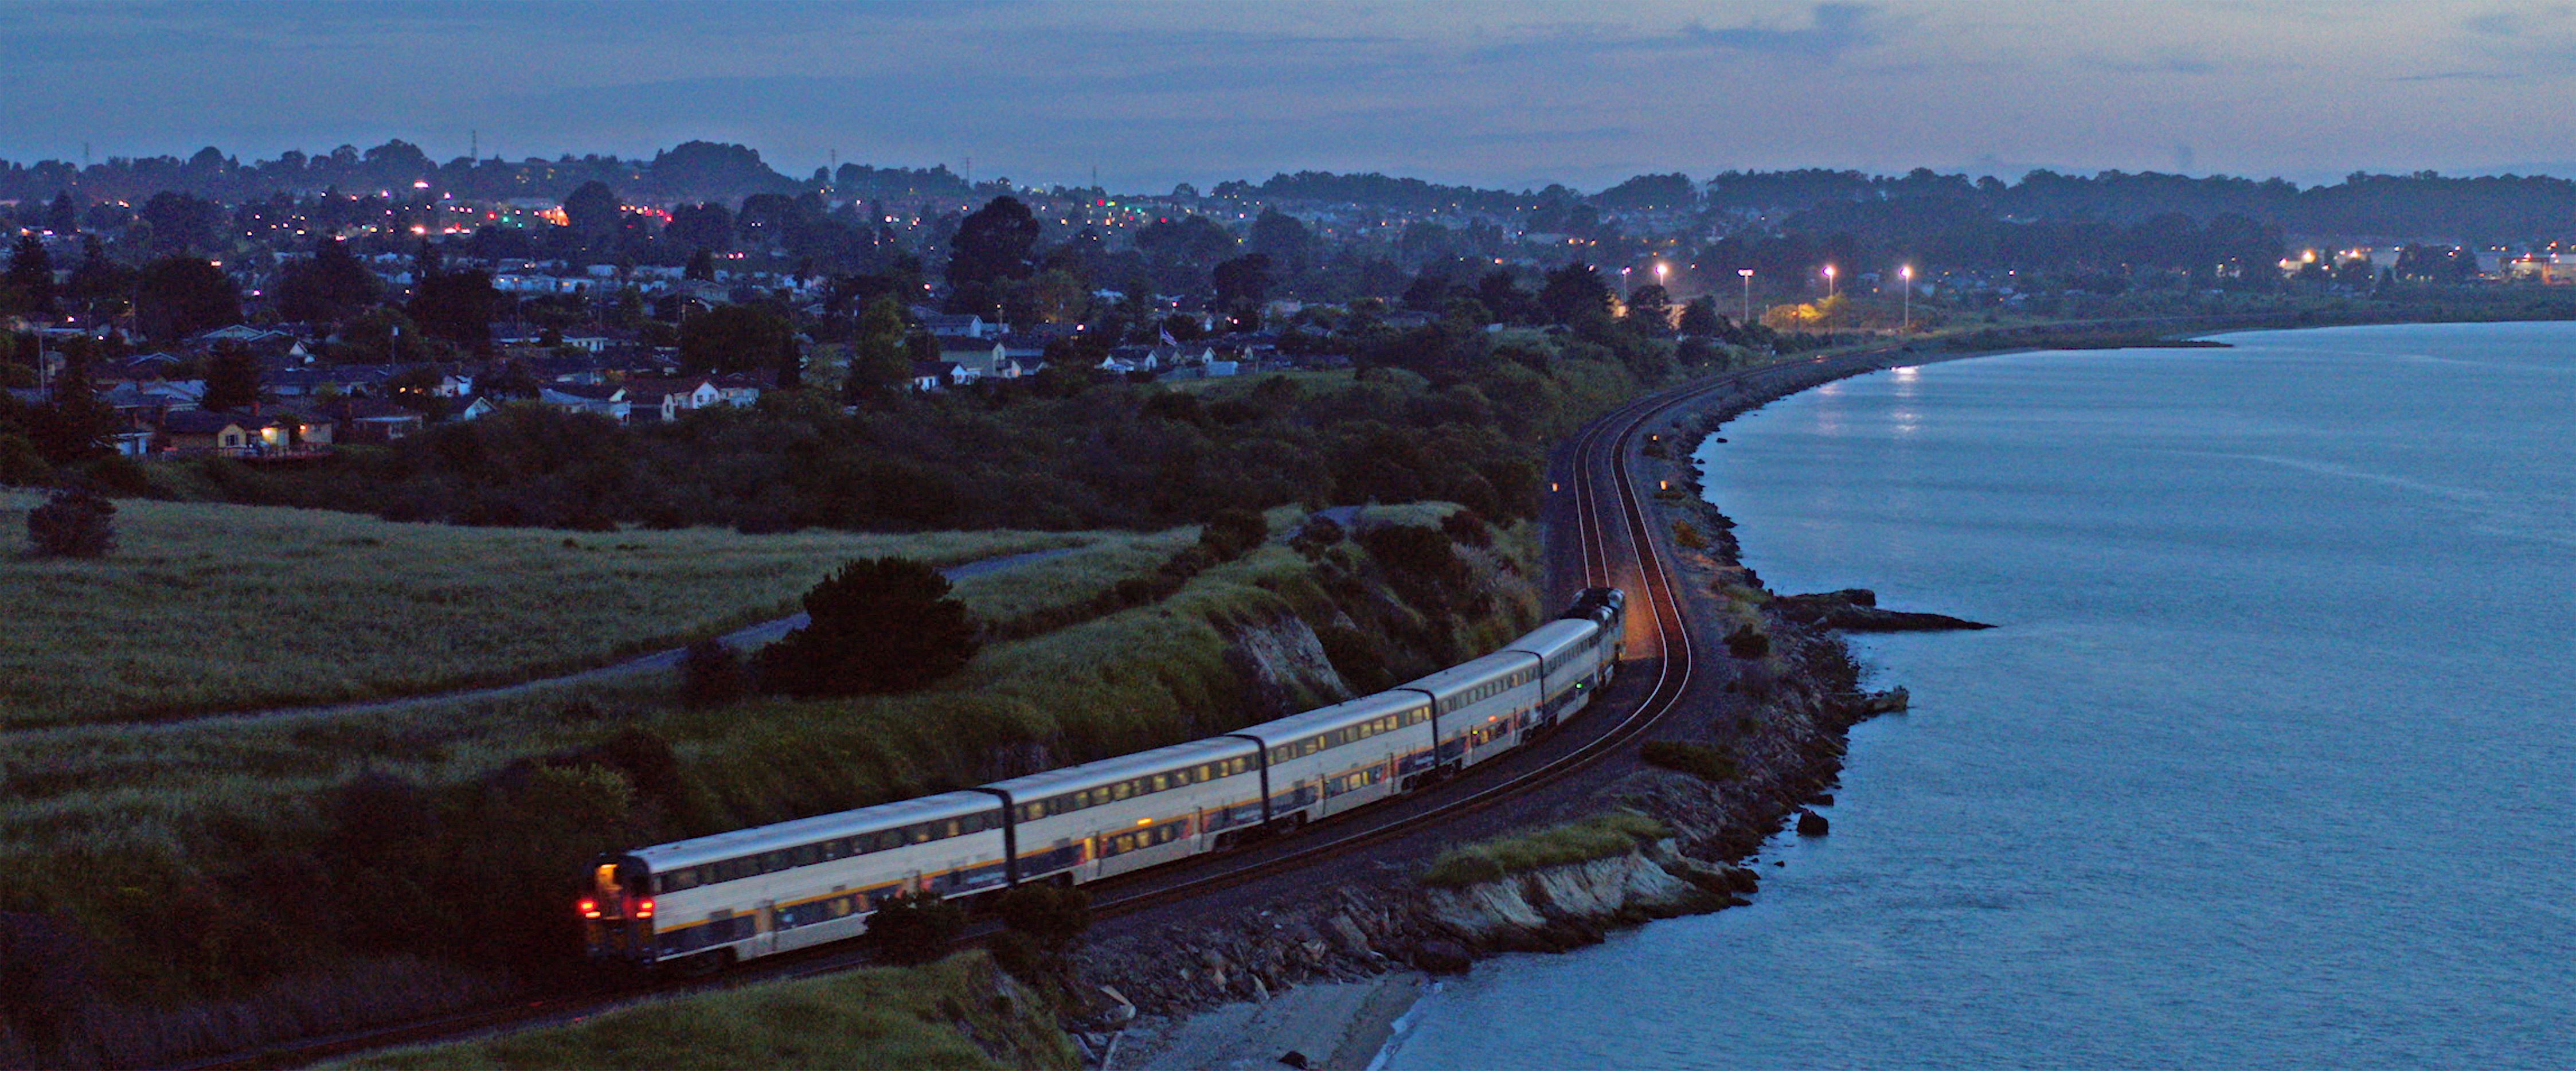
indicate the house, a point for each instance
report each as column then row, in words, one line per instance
column 1125, row 359
column 481, row 405
column 983, row 356
column 742, row 389
column 224, row 434
column 367, row 420
column 930, row 376
column 966, row 326
column 606, row 400
column 666, row 399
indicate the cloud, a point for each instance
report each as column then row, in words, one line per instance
column 1833, row 29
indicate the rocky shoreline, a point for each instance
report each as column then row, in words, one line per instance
column 1787, row 706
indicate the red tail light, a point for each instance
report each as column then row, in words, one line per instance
column 644, row 909
column 589, row 908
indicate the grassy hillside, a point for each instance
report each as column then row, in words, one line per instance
column 450, row 833
column 959, row 1013
column 207, row 607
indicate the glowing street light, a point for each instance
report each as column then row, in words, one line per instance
column 1829, row 280
column 1907, row 273
column 1662, row 272
column 1747, row 273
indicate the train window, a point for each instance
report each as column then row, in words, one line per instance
column 802, row 855
column 1160, row 782
column 951, row 828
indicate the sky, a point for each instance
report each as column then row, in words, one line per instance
column 1152, row 92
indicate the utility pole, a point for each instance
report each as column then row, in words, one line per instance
column 474, row 144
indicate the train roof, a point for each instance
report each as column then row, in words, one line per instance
column 707, row 849
column 1325, row 719
column 1464, row 675
column 1107, row 771
column 1555, row 637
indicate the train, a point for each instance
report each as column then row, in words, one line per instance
column 710, row 901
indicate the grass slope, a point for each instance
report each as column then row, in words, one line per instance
column 958, row 1013
column 212, row 607
column 1598, row 837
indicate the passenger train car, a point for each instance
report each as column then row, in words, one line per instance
column 753, row 892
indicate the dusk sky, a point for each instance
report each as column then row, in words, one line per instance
column 1492, row 93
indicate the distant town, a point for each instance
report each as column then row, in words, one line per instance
column 280, row 310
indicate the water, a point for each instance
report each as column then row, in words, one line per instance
column 2273, row 763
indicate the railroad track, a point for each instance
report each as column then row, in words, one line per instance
column 1607, row 504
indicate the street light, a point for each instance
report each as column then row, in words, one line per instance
column 1747, row 273
column 1829, row 281
column 1907, row 273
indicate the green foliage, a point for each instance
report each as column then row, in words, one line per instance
column 1053, row 916
column 712, row 674
column 182, row 295
column 20, row 464
column 1599, row 837
column 915, row 927
column 1687, row 536
column 72, row 524
column 878, row 625
column 954, row 1014
column 1748, row 641
column 734, row 338
column 1709, row 762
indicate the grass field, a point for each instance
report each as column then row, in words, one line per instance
column 213, row 607
column 1598, row 837
column 959, row 1013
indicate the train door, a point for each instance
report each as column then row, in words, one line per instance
column 764, row 928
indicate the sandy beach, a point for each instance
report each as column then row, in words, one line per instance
column 1335, row 1025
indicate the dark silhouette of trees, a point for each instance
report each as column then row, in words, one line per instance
column 1573, row 294
column 332, row 285
column 28, row 286
column 1052, row 916
column 734, row 338
column 1242, row 283
column 457, row 307
column 708, row 227
column 179, row 296
column 1650, row 310
column 877, row 625
column 592, row 210
column 73, row 524
column 992, row 245
column 232, row 380
column 1700, row 317
column 914, row 927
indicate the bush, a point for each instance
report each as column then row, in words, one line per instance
column 1468, row 528
column 1687, row 535
column 20, row 464
column 1232, row 533
column 711, row 675
column 1050, row 915
column 1747, row 642
column 73, row 524
column 1017, row 955
column 1711, row 763
column 879, row 625
column 914, row 927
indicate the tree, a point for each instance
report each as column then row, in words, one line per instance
column 992, row 244
column 878, row 359
column 1650, row 309
column 232, row 380
column 702, row 267
column 592, row 209
column 29, row 284
column 1283, row 239
column 1700, row 317
column 1241, row 283
column 734, row 338
column 330, row 286
column 707, row 227
column 915, row 927
column 73, row 524
column 1574, row 293
column 878, row 625
column 97, row 280
column 457, row 307
column 74, row 424
column 179, row 296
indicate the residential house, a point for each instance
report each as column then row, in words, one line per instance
column 222, row 433
column 984, row 357
column 965, row 326
column 666, row 399
column 931, row 376
column 607, row 400
column 369, row 420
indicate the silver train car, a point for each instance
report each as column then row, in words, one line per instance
column 754, row 892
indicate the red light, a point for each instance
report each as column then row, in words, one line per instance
column 590, row 909
column 644, row 910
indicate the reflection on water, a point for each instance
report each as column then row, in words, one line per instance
column 2269, row 766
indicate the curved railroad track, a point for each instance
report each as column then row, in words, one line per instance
column 1612, row 516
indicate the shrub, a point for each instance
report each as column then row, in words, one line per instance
column 1687, row 534
column 914, row 927
column 711, row 675
column 1316, row 534
column 1234, row 532
column 877, row 625
column 1748, row 642
column 1598, row 837
column 1050, row 915
column 1017, row 955
column 1468, row 528
column 20, row 464
column 1711, row 763
column 73, row 524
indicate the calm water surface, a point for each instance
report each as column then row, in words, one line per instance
column 2273, row 762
